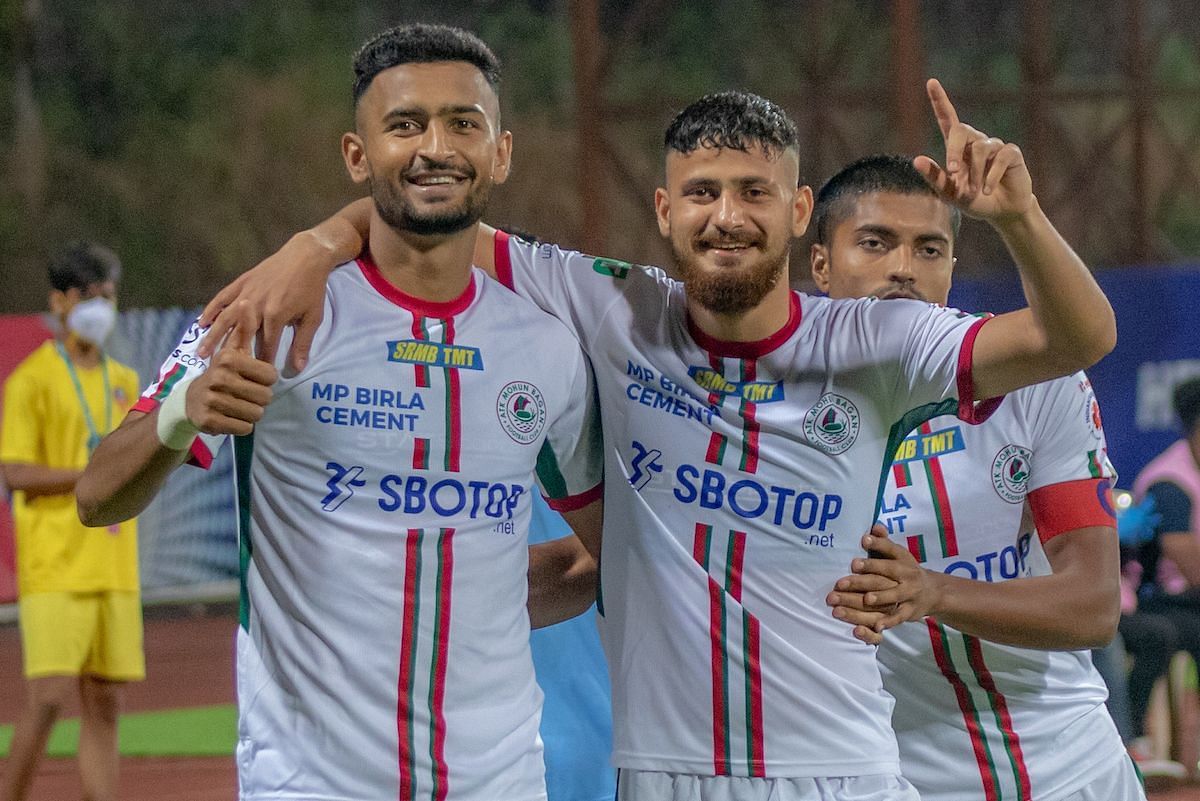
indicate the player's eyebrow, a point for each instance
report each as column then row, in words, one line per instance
column 422, row 113
column 881, row 231
column 692, row 184
column 446, row 111
column 933, row 236
column 887, row 232
column 406, row 112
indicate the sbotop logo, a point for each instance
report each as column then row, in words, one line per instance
column 1010, row 472
column 832, row 424
column 521, row 410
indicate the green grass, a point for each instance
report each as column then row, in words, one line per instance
column 200, row 731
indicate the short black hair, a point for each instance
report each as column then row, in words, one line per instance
column 422, row 43
column 735, row 120
column 82, row 264
column 885, row 172
column 1187, row 404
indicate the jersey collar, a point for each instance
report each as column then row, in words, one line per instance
column 749, row 350
column 418, row 306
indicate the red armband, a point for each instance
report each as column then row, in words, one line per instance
column 1072, row 505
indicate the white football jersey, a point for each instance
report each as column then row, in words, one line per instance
column 385, row 498
column 740, row 479
column 973, row 718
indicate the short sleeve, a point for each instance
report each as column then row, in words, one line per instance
column 576, row 288
column 21, row 427
column 1066, row 433
column 180, row 366
column 570, row 463
column 932, row 348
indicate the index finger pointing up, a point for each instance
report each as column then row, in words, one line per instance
column 943, row 109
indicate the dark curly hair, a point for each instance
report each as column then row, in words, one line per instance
column 735, row 120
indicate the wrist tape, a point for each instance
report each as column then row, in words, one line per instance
column 175, row 430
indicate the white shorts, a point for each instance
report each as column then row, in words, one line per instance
column 1120, row 782
column 643, row 785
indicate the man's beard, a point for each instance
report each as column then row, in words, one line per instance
column 730, row 290
column 395, row 209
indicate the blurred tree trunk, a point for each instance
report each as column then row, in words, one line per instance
column 27, row 159
column 29, row 144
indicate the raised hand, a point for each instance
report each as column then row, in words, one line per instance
column 231, row 396
column 984, row 176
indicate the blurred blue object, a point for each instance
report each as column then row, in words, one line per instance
column 1136, row 523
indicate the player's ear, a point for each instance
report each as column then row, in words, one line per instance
column 662, row 211
column 802, row 207
column 819, row 260
column 355, row 156
column 503, row 157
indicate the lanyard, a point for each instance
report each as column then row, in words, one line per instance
column 94, row 434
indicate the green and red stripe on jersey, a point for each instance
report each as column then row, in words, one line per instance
column 744, row 352
column 993, row 784
column 947, row 534
column 750, row 427
column 168, row 382
column 451, row 458
column 453, row 405
column 718, row 444
column 421, row 334
column 417, row 586
column 420, row 459
column 723, row 659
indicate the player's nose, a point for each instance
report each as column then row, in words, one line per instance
column 728, row 213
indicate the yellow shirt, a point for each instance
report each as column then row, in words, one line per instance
column 44, row 424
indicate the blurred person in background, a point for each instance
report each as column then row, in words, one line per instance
column 79, row 596
column 1168, row 586
column 1140, row 653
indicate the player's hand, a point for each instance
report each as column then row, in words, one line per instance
column 286, row 288
column 889, row 581
column 233, row 393
column 849, row 604
column 984, row 176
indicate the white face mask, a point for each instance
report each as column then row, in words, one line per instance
column 92, row 320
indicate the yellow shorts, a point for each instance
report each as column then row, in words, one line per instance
column 83, row 633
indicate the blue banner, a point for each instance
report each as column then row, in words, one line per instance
column 1157, row 347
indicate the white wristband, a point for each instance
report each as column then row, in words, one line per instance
column 175, row 430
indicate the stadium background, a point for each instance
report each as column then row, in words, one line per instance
column 194, row 138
